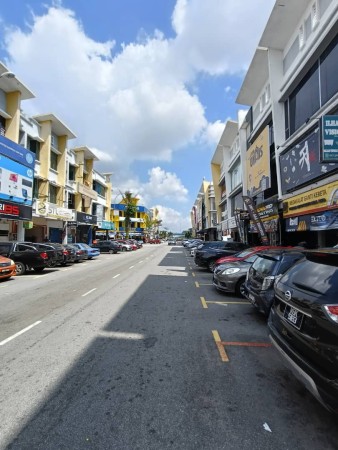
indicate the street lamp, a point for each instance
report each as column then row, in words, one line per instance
column 7, row 75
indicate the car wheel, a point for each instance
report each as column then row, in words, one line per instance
column 240, row 290
column 20, row 268
column 211, row 266
column 111, row 251
column 38, row 269
column 124, row 249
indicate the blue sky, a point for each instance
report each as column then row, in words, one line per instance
column 146, row 84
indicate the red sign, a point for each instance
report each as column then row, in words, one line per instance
column 10, row 210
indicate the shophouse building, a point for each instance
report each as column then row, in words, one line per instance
column 138, row 223
column 16, row 162
column 291, row 87
column 204, row 213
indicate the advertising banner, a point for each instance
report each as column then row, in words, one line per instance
column 316, row 200
column 258, row 177
column 330, row 138
column 15, row 211
column 17, row 153
column 301, row 164
column 254, row 216
column 16, row 181
column 83, row 218
column 328, row 220
column 51, row 211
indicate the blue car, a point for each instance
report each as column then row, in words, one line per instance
column 90, row 251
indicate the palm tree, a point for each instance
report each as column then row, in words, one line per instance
column 130, row 210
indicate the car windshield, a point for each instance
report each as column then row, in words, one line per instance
column 244, row 253
column 264, row 266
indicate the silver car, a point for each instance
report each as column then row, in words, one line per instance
column 230, row 277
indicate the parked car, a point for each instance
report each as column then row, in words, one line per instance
column 303, row 323
column 90, row 252
column 107, row 246
column 79, row 254
column 171, row 242
column 230, row 277
column 69, row 253
column 124, row 246
column 213, row 250
column 259, row 284
column 243, row 254
column 7, row 268
column 59, row 257
column 26, row 256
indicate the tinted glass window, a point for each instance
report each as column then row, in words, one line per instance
column 4, row 249
column 307, row 274
column 328, row 71
column 264, row 266
column 287, row 262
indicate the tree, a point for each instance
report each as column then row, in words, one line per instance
column 130, row 210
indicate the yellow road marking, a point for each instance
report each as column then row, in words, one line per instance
column 229, row 303
column 197, row 285
column 204, row 303
column 222, row 352
column 192, row 273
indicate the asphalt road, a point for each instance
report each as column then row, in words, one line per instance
column 139, row 351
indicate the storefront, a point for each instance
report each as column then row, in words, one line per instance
column 10, row 215
column 85, row 224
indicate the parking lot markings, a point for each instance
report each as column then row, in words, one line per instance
column 115, row 276
column 193, row 274
column 220, row 347
column 197, row 284
column 248, row 344
column 204, row 303
column 229, row 303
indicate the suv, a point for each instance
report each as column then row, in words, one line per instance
column 107, row 246
column 209, row 251
column 303, row 323
column 270, row 264
column 26, row 256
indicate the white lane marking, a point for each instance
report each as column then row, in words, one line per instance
column 92, row 290
column 131, row 267
column 19, row 332
column 115, row 276
column 122, row 335
column 140, row 262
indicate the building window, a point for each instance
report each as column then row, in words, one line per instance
column 36, row 186
column 53, row 194
column 99, row 188
column 2, row 126
column 34, row 146
column 53, row 161
column 71, row 172
column 54, row 141
column 71, row 201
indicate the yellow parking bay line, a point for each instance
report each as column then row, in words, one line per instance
column 220, row 347
column 197, row 285
column 204, row 303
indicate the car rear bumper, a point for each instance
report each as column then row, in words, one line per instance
column 324, row 389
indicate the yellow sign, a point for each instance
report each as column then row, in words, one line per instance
column 319, row 199
column 258, row 177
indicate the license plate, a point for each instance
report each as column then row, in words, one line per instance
column 5, row 270
column 293, row 316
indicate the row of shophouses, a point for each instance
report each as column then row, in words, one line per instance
column 275, row 170
column 48, row 189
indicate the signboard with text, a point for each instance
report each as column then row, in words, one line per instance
column 330, row 138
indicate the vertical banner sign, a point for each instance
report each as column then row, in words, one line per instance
column 258, row 177
column 254, row 216
column 239, row 225
column 330, row 139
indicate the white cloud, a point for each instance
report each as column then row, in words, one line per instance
column 134, row 103
column 172, row 220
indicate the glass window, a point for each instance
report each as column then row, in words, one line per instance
column 328, row 71
column 304, row 101
column 52, row 194
column 34, row 146
column 53, row 161
column 99, row 188
column 71, row 172
column 36, row 188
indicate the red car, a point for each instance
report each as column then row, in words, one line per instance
column 7, row 268
column 244, row 254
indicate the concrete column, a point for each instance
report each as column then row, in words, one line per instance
column 20, row 231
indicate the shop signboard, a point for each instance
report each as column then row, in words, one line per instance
column 257, row 221
column 16, row 181
column 301, row 163
column 258, row 177
column 86, row 219
column 51, row 211
column 17, row 153
column 330, row 139
column 328, row 220
column 314, row 201
column 15, row 211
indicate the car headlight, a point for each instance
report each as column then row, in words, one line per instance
column 230, row 270
column 12, row 263
column 267, row 282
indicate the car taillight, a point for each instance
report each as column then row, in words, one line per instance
column 332, row 312
column 65, row 252
column 267, row 282
column 44, row 255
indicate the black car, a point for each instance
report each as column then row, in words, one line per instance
column 107, row 246
column 303, row 323
column 59, row 259
column 212, row 250
column 259, row 285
